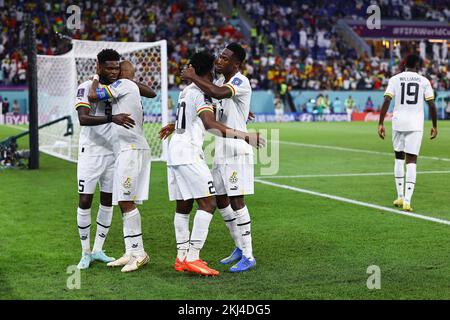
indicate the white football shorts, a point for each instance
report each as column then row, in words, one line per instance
column 132, row 176
column 235, row 177
column 95, row 169
column 190, row 181
column 407, row 141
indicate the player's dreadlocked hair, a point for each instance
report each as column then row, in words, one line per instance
column 238, row 51
column 412, row 61
column 202, row 62
column 108, row 55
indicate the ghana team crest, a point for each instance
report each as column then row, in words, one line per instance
column 127, row 183
column 233, row 177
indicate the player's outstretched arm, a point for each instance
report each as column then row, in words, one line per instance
column 433, row 115
column 209, row 88
column 384, row 109
column 221, row 130
column 145, row 90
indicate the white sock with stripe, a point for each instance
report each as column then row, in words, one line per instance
column 181, row 223
column 104, row 218
column 132, row 233
column 84, row 228
column 399, row 173
column 244, row 225
column 230, row 221
column 410, row 181
column 199, row 233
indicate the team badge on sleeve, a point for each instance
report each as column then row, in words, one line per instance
column 80, row 93
column 237, row 82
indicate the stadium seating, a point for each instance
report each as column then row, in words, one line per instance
column 291, row 43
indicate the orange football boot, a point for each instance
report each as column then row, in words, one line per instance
column 200, row 267
column 179, row 265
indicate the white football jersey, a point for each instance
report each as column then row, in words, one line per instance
column 233, row 112
column 409, row 90
column 186, row 144
column 94, row 140
column 127, row 99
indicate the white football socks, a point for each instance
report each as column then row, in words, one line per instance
column 132, row 233
column 181, row 223
column 199, row 233
column 84, row 228
column 104, row 218
column 399, row 173
column 230, row 221
column 410, row 181
column 244, row 225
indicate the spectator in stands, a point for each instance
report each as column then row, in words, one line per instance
column 369, row 105
column 278, row 108
column 349, row 104
column 447, row 110
column 2, row 116
column 337, row 106
column 16, row 108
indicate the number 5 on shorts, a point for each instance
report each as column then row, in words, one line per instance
column 80, row 186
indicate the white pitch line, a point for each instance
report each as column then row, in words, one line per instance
column 319, row 146
column 344, row 175
column 359, row 203
column 15, row 127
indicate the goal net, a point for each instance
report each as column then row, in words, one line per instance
column 59, row 77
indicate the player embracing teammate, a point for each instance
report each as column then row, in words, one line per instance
column 233, row 175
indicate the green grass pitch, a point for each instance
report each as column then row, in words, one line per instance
column 306, row 246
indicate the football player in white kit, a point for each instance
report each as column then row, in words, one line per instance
column 233, row 162
column 189, row 177
column 132, row 163
column 409, row 90
column 96, row 159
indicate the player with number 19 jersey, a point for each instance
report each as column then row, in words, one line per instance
column 409, row 90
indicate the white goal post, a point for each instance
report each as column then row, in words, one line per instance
column 59, row 77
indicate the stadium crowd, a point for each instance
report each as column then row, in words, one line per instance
column 294, row 44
